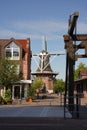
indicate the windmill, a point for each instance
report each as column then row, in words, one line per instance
column 44, row 70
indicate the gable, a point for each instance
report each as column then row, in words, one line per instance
column 20, row 42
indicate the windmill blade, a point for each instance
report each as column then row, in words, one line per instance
column 35, row 54
column 40, row 54
column 49, row 54
column 56, row 54
column 59, row 53
column 36, row 62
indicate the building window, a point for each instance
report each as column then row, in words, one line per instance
column 12, row 51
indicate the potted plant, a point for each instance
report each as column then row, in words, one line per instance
column 31, row 93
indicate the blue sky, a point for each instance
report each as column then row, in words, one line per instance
column 35, row 18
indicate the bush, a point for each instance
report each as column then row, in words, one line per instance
column 7, row 95
column 59, row 86
column 31, row 92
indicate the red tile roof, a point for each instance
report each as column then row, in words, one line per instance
column 22, row 41
column 83, row 72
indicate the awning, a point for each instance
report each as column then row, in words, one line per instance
column 26, row 81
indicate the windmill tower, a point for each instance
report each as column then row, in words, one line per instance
column 44, row 70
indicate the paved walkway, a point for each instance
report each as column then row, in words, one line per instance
column 46, row 115
column 33, row 111
column 49, row 107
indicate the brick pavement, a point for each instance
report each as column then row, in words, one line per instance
column 44, row 123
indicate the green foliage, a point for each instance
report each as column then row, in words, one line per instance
column 37, row 84
column 31, row 92
column 59, row 86
column 7, row 95
column 81, row 66
column 8, row 73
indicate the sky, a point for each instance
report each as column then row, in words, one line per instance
column 34, row 19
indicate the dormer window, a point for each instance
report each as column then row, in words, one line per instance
column 12, row 51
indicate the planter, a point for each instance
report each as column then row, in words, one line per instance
column 30, row 100
column 9, row 102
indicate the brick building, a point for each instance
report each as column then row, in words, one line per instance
column 81, row 83
column 18, row 50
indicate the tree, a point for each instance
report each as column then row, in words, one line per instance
column 59, row 85
column 34, row 88
column 37, row 84
column 8, row 73
column 81, row 66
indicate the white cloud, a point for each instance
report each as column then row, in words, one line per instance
column 39, row 28
column 10, row 33
column 82, row 27
column 42, row 26
column 54, row 30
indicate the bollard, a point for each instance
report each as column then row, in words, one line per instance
column 77, row 106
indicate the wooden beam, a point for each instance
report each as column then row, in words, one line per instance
column 79, row 37
column 72, row 23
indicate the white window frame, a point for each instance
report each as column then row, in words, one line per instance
column 12, row 47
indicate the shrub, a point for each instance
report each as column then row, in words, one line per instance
column 7, row 95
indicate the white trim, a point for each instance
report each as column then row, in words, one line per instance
column 26, row 81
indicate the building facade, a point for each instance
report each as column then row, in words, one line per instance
column 19, row 51
column 81, row 84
